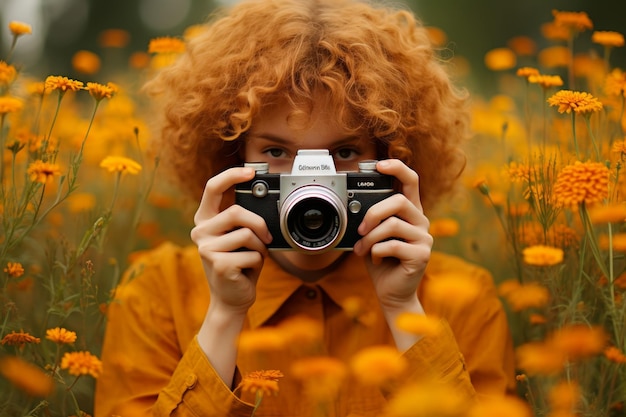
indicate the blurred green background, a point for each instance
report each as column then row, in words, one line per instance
column 62, row 27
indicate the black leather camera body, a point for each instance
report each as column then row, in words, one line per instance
column 314, row 208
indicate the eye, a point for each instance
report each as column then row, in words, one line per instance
column 344, row 154
column 275, row 153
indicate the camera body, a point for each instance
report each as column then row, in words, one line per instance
column 314, row 208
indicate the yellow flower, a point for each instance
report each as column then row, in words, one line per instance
column 321, row 376
column 265, row 382
column 546, row 81
column 552, row 32
column 81, row 363
column 100, row 91
column 19, row 339
column 578, row 341
column 20, row 28
column 498, row 406
column 522, row 45
column 14, row 269
column 7, row 74
column 586, row 182
column 194, row 30
column 500, row 59
column 113, row 38
column 61, row 336
column 10, row 105
column 63, row 84
column 166, row 45
column 26, row 376
column 86, row 62
column 527, row 295
column 378, row 365
column 608, row 38
column 541, row 255
column 42, row 172
column 538, row 358
column 575, row 21
column 418, row 324
column 526, row 72
column 120, row 164
column 301, row 332
column 518, row 172
column 578, row 101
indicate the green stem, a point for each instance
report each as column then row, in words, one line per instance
column 574, row 134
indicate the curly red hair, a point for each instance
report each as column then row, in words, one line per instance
column 377, row 65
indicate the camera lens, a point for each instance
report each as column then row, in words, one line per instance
column 313, row 219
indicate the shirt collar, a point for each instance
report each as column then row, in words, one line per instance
column 275, row 286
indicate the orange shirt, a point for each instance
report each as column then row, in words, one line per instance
column 153, row 364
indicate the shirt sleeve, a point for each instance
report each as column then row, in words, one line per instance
column 146, row 372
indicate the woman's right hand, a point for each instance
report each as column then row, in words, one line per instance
column 231, row 273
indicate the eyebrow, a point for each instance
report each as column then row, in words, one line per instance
column 283, row 141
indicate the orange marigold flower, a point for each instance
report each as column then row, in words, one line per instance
column 81, row 363
column 617, row 242
column 79, row 202
column 20, row 28
column 541, row 255
column 418, row 324
column 586, row 182
column 527, row 72
column 518, row 172
column 19, row 339
column 578, row 101
column 538, row 358
column 14, row 269
column 42, row 172
column 552, row 32
column 522, row 45
column 264, row 382
column 139, row 60
column 262, row 339
column 498, row 406
column 10, row 105
column 454, row 288
column 113, row 38
column 86, row 62
column 612, row 213
column 444, row 227
column 427, row 399
column 120, row 164
column 528, row 295
column 608, row 38
column 7, row 73
column 579, row 341
column 301, row 332
column 63, row 84
column 100, row 91
column 378, row 365
column 564, row 395
column 166, row 45
column 614, row 355
column 615, row 83
column 192, row 31
column 575, row 21
column 546, row 81
column 61, row 336
column 321, row 376
column 554, row 56
column 500, row 59
column 26, row 376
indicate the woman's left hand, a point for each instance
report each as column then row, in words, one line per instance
column 396, row 241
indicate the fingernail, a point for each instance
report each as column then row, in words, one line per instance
column 383, row 163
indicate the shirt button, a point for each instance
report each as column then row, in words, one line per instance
column 190, row 381
column 311, row 294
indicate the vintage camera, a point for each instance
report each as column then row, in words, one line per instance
column 314, row 208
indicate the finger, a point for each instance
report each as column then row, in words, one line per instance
column 239, row 239
column 413, row 257
column 397, row 205
column 233, row 218
column 231, row 265
column 216, row 187
column 393, row 228
column 407, row 177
